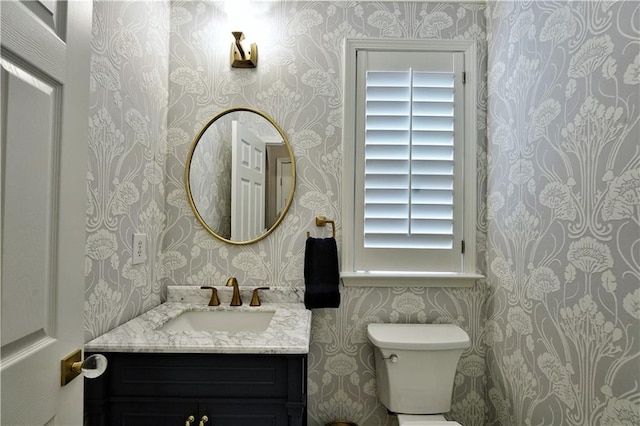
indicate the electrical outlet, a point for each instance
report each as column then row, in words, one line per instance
column 139, row 249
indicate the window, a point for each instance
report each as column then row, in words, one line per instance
column 409, row 178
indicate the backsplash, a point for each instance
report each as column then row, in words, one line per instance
column 564, row 186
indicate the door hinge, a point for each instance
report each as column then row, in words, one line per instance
column 462, row 246
column 464, row 77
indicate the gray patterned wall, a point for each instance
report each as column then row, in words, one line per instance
column 210, row 177
column 125, row 184
column 299, row 83
column 552, row 329
column 564, row 213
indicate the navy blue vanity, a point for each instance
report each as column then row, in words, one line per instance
column 168, row 389
column 161, row 372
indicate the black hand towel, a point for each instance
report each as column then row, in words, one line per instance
column 321, row 273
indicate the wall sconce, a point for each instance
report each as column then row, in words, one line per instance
column 241, row 57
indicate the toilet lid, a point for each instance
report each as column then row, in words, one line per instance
column 417, row 336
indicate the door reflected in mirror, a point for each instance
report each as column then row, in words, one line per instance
column 240, row 176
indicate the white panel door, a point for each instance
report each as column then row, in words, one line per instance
column 44, row 102
column 283, row 189
column 247, row 184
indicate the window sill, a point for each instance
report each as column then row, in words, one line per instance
column 409, row 279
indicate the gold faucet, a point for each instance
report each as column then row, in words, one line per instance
column 214, row 295
column 235, row 299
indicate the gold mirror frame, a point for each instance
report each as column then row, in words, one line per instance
column 188, row 170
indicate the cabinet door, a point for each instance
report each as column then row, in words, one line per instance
column 198, row 375
column 238, row 412
column 153, row 412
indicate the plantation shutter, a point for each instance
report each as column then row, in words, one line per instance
column 411, row 107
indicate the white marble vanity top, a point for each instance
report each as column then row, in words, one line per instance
column 287, row 333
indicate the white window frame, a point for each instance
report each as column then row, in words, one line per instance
column 467, row 275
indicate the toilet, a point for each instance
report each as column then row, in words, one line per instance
column 415, row 368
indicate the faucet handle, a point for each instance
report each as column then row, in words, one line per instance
column 214, row 301
column 255, row 299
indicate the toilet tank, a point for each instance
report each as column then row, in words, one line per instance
column 416, row 365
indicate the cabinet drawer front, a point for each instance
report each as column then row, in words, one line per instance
column 174, row 412
column 151, row 413
column 246, row 413
column 195, row 375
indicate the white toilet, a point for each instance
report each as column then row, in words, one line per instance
column 415, row 368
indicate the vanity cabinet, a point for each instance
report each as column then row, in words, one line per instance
column 229, row 389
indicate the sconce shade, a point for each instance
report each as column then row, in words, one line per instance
column 240, row 56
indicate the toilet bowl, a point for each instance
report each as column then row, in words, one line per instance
column 415, row 368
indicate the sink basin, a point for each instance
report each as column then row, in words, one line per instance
column 219, row 321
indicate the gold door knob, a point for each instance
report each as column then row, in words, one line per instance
column 189, row 420
column 203, row 420
column 72, row 366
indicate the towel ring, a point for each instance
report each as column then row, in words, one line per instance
column 322, row 221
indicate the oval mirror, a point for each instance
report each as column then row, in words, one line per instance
column 240, row 176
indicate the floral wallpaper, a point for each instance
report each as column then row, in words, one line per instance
column 299, row 83
column 210, row 177
column 125, row 183
column 564, row 213
column 554, row 327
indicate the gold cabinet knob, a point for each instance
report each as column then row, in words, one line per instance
column 203, row 420
column 189, row 420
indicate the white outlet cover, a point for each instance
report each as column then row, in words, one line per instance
column 139, row 249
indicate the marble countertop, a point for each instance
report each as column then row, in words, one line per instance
column 287, row 333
